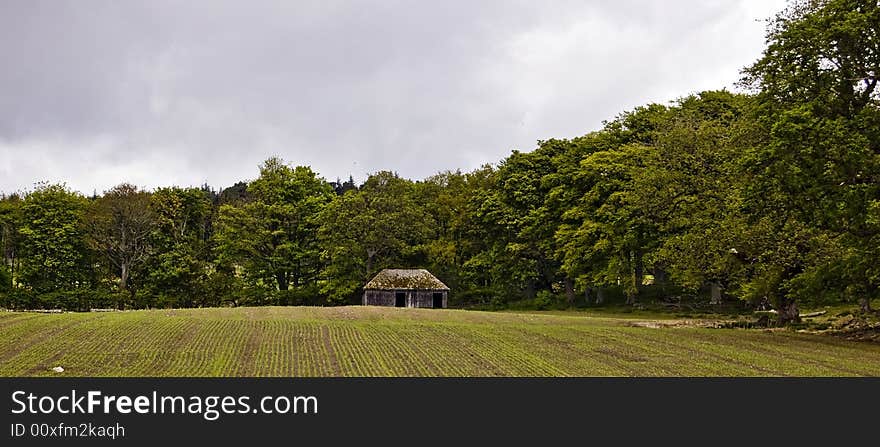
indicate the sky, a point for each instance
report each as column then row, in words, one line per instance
column 158, row 93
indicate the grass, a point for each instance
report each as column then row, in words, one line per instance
column 376, row 341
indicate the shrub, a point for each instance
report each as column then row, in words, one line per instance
column 309, row 295
column 544, row 300
column 471, row 297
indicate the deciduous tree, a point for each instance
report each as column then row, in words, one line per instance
column 119, row 225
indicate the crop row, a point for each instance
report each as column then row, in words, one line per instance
column 378, row 342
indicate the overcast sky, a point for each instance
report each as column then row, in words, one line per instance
column 94, row 93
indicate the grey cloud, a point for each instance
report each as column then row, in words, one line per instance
column 98, row 92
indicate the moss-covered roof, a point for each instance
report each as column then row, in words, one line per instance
column 405, row 279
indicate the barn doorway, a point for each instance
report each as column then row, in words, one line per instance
column 438, row 301
column 400, row 299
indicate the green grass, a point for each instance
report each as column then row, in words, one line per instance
column 376, row 341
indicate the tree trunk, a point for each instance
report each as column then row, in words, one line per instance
column 638, row 271
column 865, row 300
column 281, row 277
column 636, row 276
column 12, row 267
column 123, row 276
column 569, row 291
column 633, row 290
column 530, row 289
column 659, row 276
column 788, row 311
column 370, row 255
column 716, row 293
column 660, row 280
column 600, row 295
column 865, row 304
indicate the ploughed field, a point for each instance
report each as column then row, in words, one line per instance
column 376, row 341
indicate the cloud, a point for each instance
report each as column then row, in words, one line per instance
column 160, row 92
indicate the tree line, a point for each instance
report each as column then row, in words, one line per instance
column 771, row 197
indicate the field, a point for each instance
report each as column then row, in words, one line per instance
column 374, row 341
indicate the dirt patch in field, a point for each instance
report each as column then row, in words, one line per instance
column 660, row 324
column 866, row 335
column 620, row 355
column 248, row 361
column 855, row 331
column 45, row 365
column 165, row 359
column 857, row 327
column 334, row 362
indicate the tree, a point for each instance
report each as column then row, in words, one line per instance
column 605, row 235
column 517, row 218
column 821, row 52
column 449, row 199
column 273, row 237
column 234, row 194
column 816, row 85
column 690, row 190
column 378, row 226
column 52, row 240
column 520, row 194
column 10, row 240
column 341, row 187
column 444, row 197
column 119, row 225
column 180, row 240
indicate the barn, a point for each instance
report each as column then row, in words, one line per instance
column 406, row 288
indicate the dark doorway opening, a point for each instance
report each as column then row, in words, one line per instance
column 438, row 301
column 400, row 299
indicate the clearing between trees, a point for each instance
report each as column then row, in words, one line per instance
column 379, row 341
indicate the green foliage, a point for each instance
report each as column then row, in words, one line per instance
column 52, row 240
column 606, row 234
column 273, row 236
column 119, row 225
column 451, row 200
column 690, row 191
column 544, row 300
column 819, row 169
column 821, row 52
column 381, row 225
column 179, row 269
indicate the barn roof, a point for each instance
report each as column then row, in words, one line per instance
column 405, row 279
